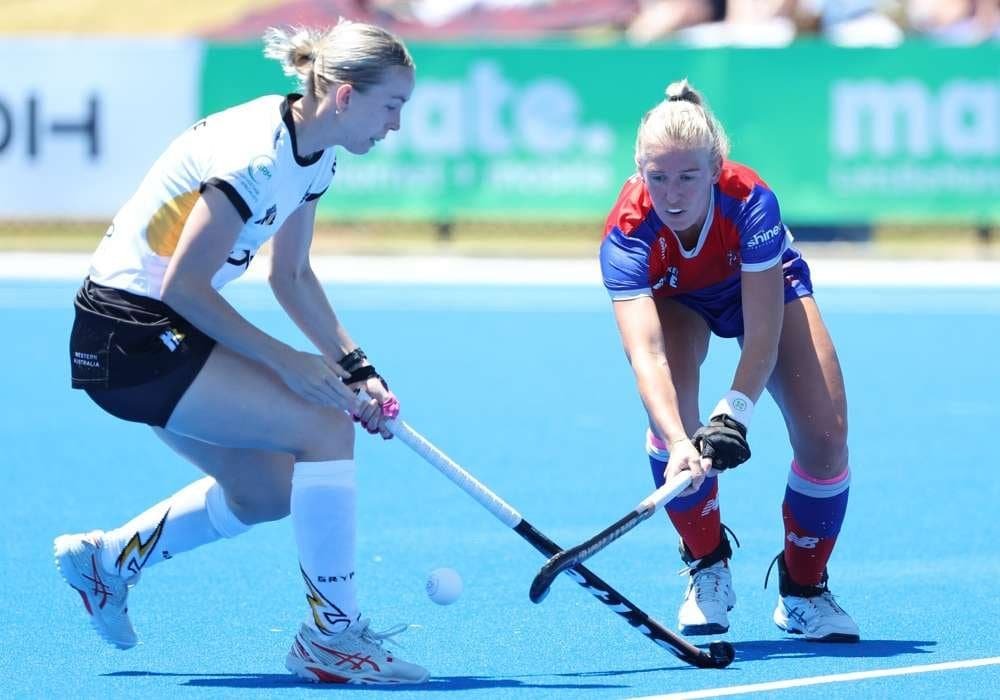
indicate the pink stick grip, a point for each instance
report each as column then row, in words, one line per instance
column 390, row 407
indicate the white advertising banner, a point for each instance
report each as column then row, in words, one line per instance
column 82, row 119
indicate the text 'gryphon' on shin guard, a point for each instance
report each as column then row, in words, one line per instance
column 813, row 511
column 696, row 518
column 324, row 496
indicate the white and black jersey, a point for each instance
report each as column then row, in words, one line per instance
column 249, row 153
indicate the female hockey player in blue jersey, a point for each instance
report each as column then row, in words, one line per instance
column 694, row 247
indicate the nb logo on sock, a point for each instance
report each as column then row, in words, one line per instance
column 804, row 542
column 713, row 504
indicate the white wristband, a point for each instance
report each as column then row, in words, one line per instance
column 735, row 404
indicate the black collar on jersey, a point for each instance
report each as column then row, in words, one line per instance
column 286, row 116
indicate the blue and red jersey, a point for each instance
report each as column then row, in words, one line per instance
column 641, row 256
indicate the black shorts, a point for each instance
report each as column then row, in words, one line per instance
column 133, row 355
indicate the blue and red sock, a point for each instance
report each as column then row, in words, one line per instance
column 813, row 511
column 696, row 518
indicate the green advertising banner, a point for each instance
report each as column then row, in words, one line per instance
column 547, row 130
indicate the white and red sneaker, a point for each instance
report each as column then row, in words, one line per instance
column 104, row 594
column 353, row 656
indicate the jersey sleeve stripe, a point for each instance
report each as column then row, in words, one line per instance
column 626, row 294
column 232, row 195
column 315, row 195
column 767, row 264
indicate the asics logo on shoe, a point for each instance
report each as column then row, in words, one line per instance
column 805, row 541
column 356, row 662
column 713, row 504
column 100, row 589
column 797, row 615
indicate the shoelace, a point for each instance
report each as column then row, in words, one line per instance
column 767, row 576
column 827, row 600
column 819, row 589
column 378, row 638
column 709, row 585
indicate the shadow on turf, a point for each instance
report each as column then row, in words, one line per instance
column 285, row 680
column 766, row 649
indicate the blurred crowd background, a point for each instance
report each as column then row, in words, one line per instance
column 928, row 118
column 705, row 23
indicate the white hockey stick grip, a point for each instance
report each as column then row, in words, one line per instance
column 665, row 493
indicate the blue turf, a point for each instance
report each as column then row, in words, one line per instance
column 529, row 390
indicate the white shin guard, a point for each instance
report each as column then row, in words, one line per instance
column 324, row 495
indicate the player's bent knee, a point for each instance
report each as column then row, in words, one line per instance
column 822, row 450
column 330, row 435
column 264, row 505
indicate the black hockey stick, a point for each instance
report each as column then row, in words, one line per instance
column 575, row 556
column 719, row 655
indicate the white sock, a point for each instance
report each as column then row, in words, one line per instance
column 323, row 512
column 195, row 515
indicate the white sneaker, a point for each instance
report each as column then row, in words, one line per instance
column 708, row 599
column 353, row 656
column 811, row 611
column 105, row 595
column 818, row 618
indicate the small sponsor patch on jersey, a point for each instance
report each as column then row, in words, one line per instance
column 261, row 168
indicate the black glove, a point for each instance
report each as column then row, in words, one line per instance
column 724, row 441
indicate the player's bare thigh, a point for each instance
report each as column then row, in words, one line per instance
column 685, row 340
column 808, row 386
column 236, row 402
column 257, row 483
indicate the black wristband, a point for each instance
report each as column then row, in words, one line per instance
column 352, row 360
column 364, row 373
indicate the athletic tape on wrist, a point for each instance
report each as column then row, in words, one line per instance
column 735, row 404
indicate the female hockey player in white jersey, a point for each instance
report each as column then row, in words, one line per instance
column 154, row 342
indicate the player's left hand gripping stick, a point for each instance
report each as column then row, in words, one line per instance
column 719, row 655
column 568, row 558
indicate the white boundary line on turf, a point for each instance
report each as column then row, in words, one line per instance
column 444, row 270
column 820, row 680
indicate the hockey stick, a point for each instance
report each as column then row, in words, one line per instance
column 575, row 556
column 719, row 655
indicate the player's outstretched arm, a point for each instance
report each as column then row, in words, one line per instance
column 642, row 337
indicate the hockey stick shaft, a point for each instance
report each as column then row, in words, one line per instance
column 573, row 556
column 652, row 629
